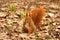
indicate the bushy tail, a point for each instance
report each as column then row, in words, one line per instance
column 37, row 15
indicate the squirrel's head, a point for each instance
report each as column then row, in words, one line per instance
column 28, row 15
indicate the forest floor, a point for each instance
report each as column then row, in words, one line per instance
column 11, row 22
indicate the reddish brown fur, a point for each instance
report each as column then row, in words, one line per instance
column 37, row 15
column 34, row 19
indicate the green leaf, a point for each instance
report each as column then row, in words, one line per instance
column 22, row 14
column 12, row 7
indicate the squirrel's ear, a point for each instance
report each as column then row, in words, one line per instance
column 28, row 13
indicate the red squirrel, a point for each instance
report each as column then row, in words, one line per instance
column 33, row 19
